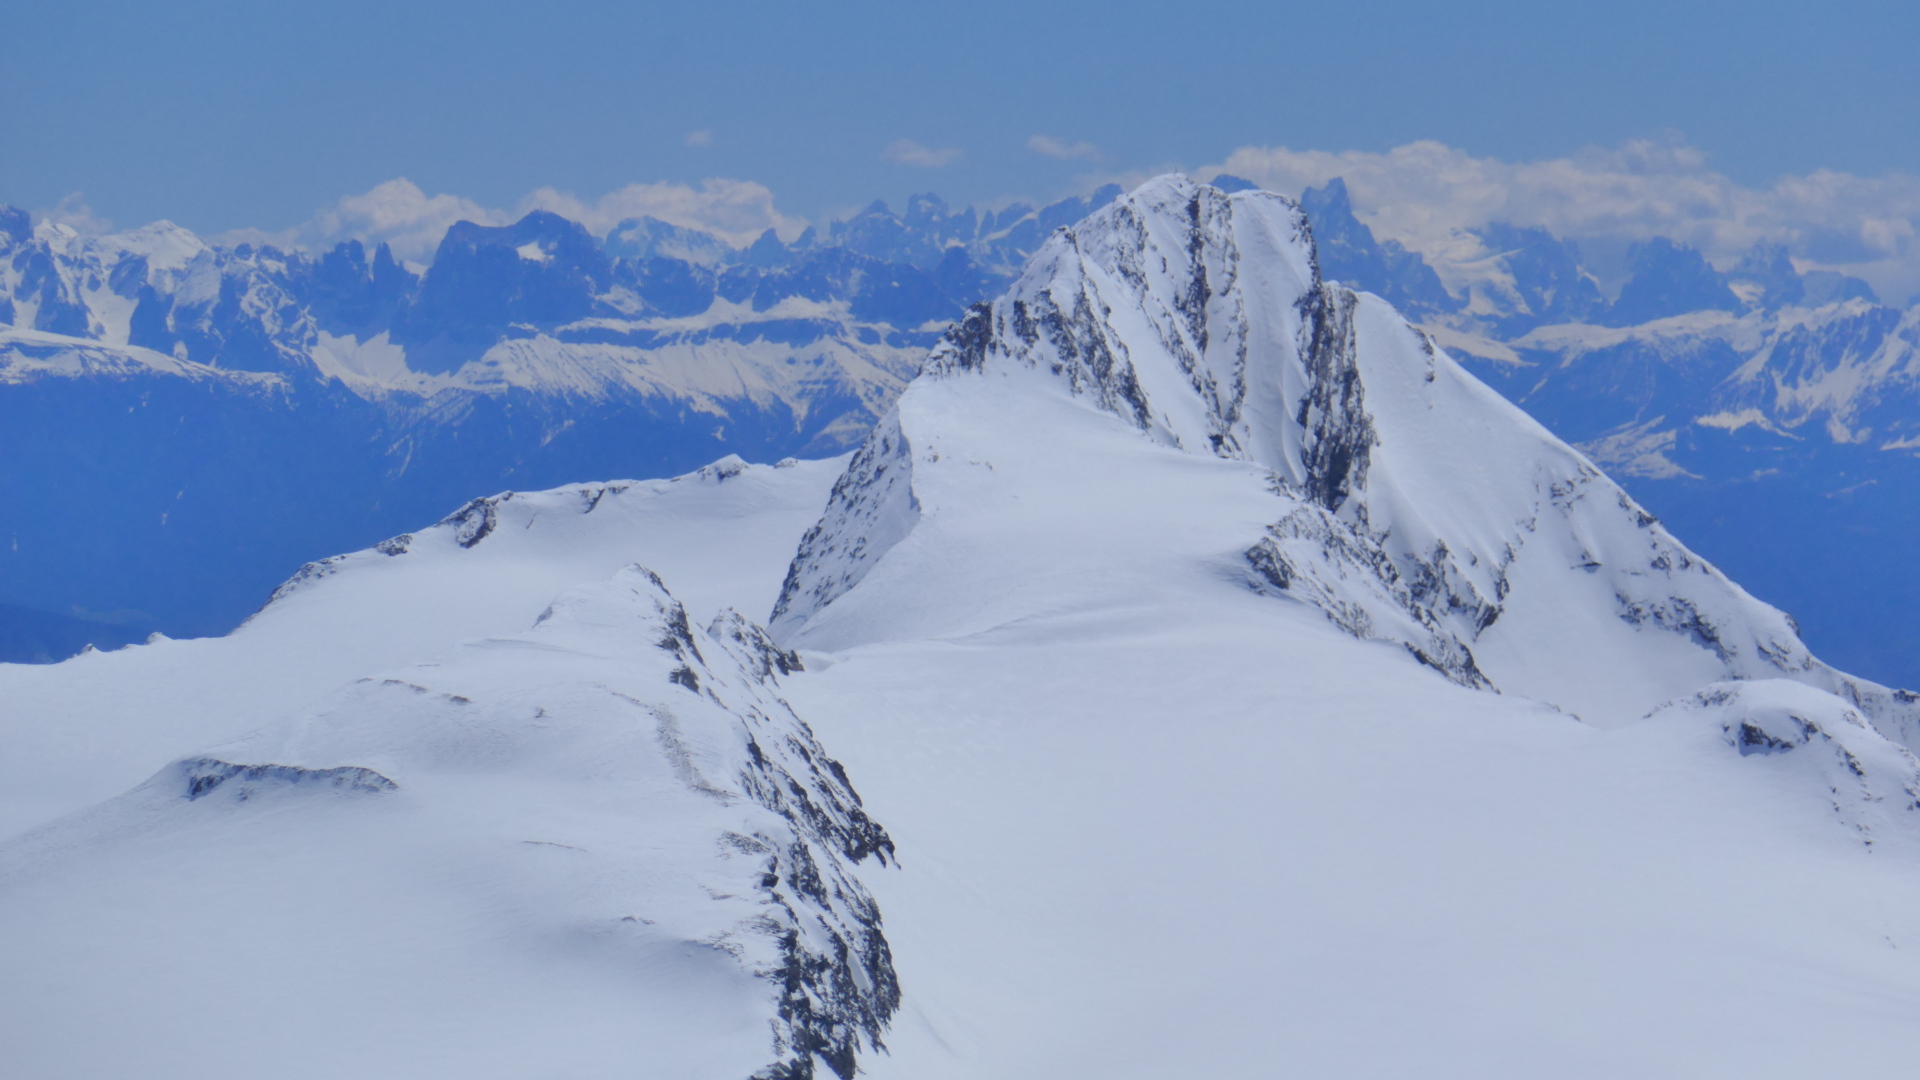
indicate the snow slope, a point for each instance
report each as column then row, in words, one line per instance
column 591, row 834
column 1779, row 443
column 1243, row 689
column 1204, row 837
column 602, row 839
column 28, row 356
column 490, row 568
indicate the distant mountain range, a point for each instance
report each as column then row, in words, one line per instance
column 181, row 424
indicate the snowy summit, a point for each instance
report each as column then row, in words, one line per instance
column 1196, row 672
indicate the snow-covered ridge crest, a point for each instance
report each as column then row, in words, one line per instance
column 582, row 532
column 1411, row 503
column 647, row 772
column 29, row 356
column 1872, row 783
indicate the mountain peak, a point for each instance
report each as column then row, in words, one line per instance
column 163, row 244
column 1669, row 278
column 1402, row 498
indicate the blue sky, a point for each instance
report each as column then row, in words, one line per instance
column 219, row 114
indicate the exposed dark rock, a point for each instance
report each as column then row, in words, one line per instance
column 203, row 776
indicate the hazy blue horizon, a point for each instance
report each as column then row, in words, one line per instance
column 220, row 115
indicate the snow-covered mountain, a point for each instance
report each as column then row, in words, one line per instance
column 534, row 354
column 1231, row 681
column 1409, row 503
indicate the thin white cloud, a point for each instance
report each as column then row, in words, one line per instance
column 284, row 239
column 1048, row 146
column 75, row 214
column 400, row 214
column 737, row 211
column 703, row 137
column 1427, row 195
column 396, row 213
column 908, row 152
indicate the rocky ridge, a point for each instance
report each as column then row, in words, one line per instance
column 1201, row 320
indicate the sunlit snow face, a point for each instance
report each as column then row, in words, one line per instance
column 1127, row 621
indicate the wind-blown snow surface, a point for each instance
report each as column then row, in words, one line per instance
column 592, row 836
column 1161, row 626
column 1156, row 819
column 604, row 840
